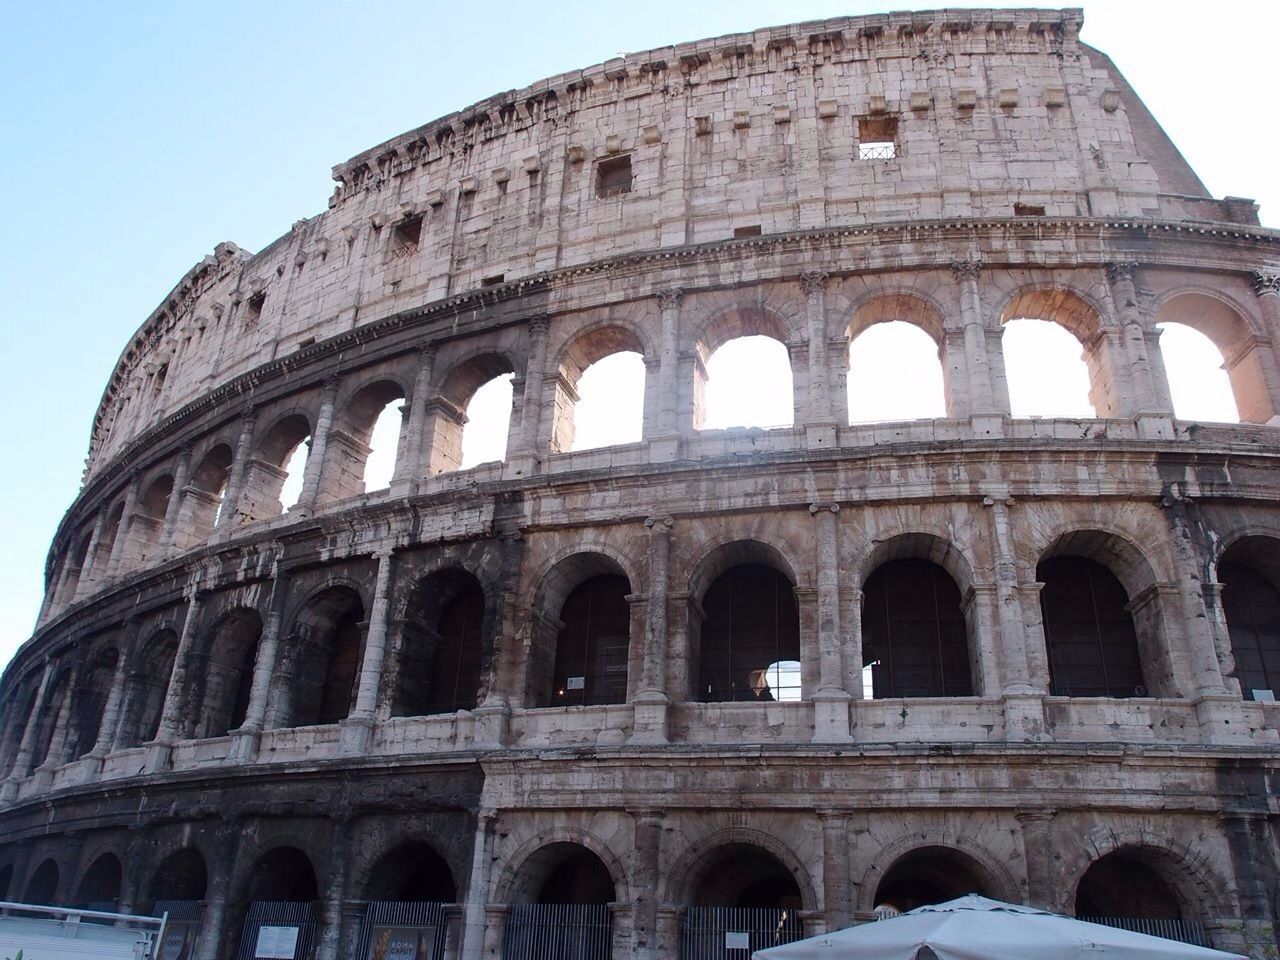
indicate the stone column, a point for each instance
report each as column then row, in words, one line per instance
column 181, row 477
column 648, row 841
column 109, row 727
column 1264, row 409
column 22, row 759
column 126, row 520
column 53, row 757
column 651, row 701
column 478, row 886
column 666, row 445
column 319, row 442
column 330, row 932
column 820, row 415
column 411, row 468
column 1038, row 855
column 358, row 726
column 831, row 700
column 213, row 930
column 533, row 441
column 160, row 750
column 246, row 743
column 978, row 386
column 85, row 584
column 1143, row 394
column 1016, row 674
column 838, row 905
column 228, row 518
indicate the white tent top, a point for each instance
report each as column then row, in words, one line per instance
column 976, row 928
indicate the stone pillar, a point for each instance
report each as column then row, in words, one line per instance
column 229, row 516
column 1016, row 674
column 534, row 441
column 22, row 759
column 331, row 903
column 1143, row 394
column 319, row 442
column 475, row 915
column 85, row 584
column 1266, row 284
column 53, row 757
column 978, row 390
column 820, row 418
column 648, row 843
column 358, row 726
column 126, row 520
column 160, row 750
column 213, row 926
column 1039, row 857
column 246, row 743
column 831, row 700
column 651, row 701
column 411, row 467
column 181, row 477
column 1193, row 618
column 666, row 445
column 109, row 728
column 838, row 895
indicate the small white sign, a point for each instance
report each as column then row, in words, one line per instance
column 576, row 683
column 276, row 943
column 1264, row 696
column 737, row 940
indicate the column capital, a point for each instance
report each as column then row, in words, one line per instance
column 670, row 299
column 1266, row 280
column 539, row 323
column 656, row 524
column 383, row 553
column 820, row 507
column 330, row 383
column 1118, row 270
column 966, row 269
column 814, row 281
column 426, row 350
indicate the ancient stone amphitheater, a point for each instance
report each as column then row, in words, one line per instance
column 716, row 688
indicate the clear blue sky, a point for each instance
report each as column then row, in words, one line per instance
column 137, row 136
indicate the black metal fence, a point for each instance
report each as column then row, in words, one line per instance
column 419, row 921
column 275, row 924
column 1187, row 931
column 181, row 930
column 733, row 933
column 558, row 931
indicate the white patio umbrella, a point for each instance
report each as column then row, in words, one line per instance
column 975, row 928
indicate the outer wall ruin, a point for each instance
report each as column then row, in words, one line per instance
column 224, row 706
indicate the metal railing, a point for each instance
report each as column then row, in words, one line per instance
column 1186, row 931
column 734, row 933
column 399, row 919
column 285, row 915
column 558, row 931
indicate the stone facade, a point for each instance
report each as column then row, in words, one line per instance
column 174, row 715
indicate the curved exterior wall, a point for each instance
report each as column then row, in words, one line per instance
column 115, row 731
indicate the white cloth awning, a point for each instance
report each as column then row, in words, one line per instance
column 976, row 928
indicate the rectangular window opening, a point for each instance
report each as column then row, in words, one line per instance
column 253, row 309
column 1028, row 210
column 740, row 233
column 405, row 237
column 878, row 137
column 613, row 177
column 493, row 281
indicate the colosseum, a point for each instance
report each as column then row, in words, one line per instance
column 713, row 688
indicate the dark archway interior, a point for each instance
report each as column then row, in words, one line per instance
column 743, row 875
column 1088, row 631
column 284, row 873
column 100, row 886
column 1251, row 605
column 930, row 875
column 43, row 885
column 1122, row 885
column 226, row 680
column 148, row 683
column 91, row 701
column 915, row 638
column 328, row 646
column 6, row 881
column 752, row 622
column 564, row 873
column 412, row 871
column 181, row 876
column 441, row 652
column 591, row 649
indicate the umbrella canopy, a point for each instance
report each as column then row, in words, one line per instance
column 975, row 928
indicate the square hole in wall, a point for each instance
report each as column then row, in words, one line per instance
column 493, row 281
column 405, row 237
column 253, row 309
column 740, row 233
column 878, row 137
column 613, row 177
column 1028, row 210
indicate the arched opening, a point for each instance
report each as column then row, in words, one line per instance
column 281, row 891
column 1046, row 374
column 1249, row 572
column 364, row 445
column 749, row 643
column 914, row 635
column 599, row 399
column 42, row 887
column 13, row 723
column 178, row 888
column 148, row 682
column 441, row 646
column 97, row 564
column 895, row 373
column 747, row 384
column 223, row 682
column 407, row 891
column 560, row 906
column 6, row 880
column 205, row 496
column 91, row 701
column 929, row 875
column 51, row 724
column 1198, row 382
column 147, row 520
column 100, row 886
column 1243, row 354
column 79, row 559
column 1089, row 632
column 592, row 646
column 323, row 660
column 467, row 422
column 273, row 479
column 581, row 639
column 1129, row 889
column 740, row 889
column 487, row 423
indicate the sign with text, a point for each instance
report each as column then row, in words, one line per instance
column 737, row 940
column 402, row 943
column 179, row 940
column 276, row 943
